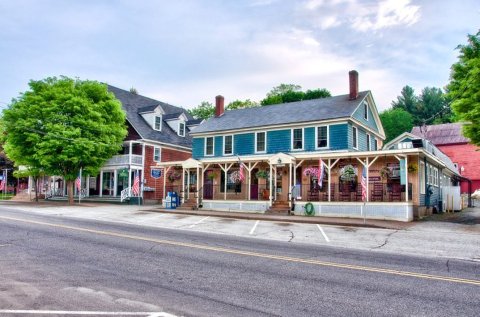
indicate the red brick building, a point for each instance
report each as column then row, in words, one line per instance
column 157, row 132
column 450, row 140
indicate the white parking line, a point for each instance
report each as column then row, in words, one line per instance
column 323, row 233
column 85, row 313
column 254, row 227
column 198, row 222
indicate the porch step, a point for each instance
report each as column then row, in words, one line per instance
column 190, row 204
column 279, row 207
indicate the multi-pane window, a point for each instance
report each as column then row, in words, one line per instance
column 297, row 139
column 260, row 144
column 228, row 145
column 158, row 123
column 181, row 128
column 156, row 154
column 375, row 143
column 354, row 137
column 322, row 137
column 421, row 176
column 368, row 142
column 209, row 146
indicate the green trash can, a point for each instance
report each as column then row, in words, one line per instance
column 135, row 201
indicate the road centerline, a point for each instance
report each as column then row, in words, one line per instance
column 255, row 254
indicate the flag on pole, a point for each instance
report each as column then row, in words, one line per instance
column 136, row 185
column 2, row 185
column 321, row 172
column 78, row 183
column 243, row 167
column 364, row 184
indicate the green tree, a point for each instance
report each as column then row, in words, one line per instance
column 464, row 87
column 203, row 111
column 62, row 125
column 395, row 121
column 433, row 106
column 289, row 93
column 239, row 104
column 407, row 100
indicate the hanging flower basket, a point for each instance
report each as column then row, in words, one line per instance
column 235, row 177
column 310, row 171
column 412, row 168
column 173, row 176
column 385, row 172
column 262, row 174
column 348, row 173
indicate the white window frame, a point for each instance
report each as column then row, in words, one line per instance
column 213, row 146
column 376, row 144
column 256, row 144
column 365, row 109
column 421, row 174
column 369, row 142
column 155, row 123
column 184, row 127
column 303, row 139
column 155, row 149
column 355, row 140
column 224, row 137
column 328, row 137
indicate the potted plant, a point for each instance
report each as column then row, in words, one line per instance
column 212, row 176
column 173, row 176
column 310, row 171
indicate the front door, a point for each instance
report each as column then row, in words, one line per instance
column 254, row 186
column 208, row 185
column 108, row 184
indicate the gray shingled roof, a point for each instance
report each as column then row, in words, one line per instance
column 133, row 103
column 439, row 134
column 293, row 112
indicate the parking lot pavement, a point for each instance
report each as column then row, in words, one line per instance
column 430, row 238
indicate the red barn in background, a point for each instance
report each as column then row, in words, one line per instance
column 450, row 140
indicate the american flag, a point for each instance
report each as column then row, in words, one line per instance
column 321, row 172
column 242, row 170
column 2, row 185
column 78, row 183
column 364, row 184
column 136, row 185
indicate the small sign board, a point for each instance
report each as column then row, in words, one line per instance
column 374, row 179
column 156, row 173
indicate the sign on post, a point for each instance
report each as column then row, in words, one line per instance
column 156, row 173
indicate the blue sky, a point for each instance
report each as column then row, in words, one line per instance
column 185, row 52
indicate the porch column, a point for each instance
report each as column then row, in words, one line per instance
column 130, row 154
column 115, row 183
column 87, row 181
column 270, row 180
column 165, row 171
column 183, row 184
column 198, row 186
column 249, row 182
column 290, row 185
column 225, row 183
column 188, row 183
column 366, row 175
column 329, row 180
column 406, row 179
column 100, row 190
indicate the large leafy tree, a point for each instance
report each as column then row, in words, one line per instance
column 203, row 111
column 289, row 93
column 464, row 87
column 407, row 100
column 395, row 121
column 241, row 104
column 62, row 125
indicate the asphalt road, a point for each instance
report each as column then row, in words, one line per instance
column 50, row 263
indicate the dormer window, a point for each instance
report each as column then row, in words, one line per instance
column 157, row 123
column 181, row 129
column 365, row 110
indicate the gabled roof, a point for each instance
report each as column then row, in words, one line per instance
column 404, row 135
column 440, row 134
column 294, row 112
column 134, row 104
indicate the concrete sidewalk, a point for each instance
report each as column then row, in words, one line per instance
column 334, row 221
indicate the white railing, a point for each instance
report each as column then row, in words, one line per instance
column 124, row 160
column 126, row 193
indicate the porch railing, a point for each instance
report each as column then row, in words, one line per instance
column 125, row 193
column 124, row 159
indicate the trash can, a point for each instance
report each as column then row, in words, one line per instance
column 136, row 200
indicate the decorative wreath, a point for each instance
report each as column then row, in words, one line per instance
column 309, row 209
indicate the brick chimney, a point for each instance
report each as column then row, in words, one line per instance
column 353, row 75
column 219, row 105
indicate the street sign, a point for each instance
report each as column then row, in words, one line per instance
column 156, row 173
